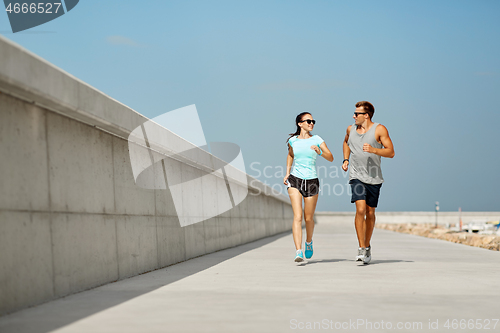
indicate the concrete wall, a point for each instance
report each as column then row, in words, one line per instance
column 420, row 217
column 71, row 214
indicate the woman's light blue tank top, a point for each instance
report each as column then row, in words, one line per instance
column 304, row 165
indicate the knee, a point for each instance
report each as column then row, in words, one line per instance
column 309, row 219
column 297, row 220
column 370, row 214
column 361, row 211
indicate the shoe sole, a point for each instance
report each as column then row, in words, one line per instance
column 299, row 259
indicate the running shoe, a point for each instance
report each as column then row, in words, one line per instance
column 309, row 250
column 299, row 257
column 368, row 255
column 361, row 254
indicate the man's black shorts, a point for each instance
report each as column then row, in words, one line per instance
column 306, row 187
column 362, row 191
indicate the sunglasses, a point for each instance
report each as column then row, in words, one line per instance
column 308, row 121
column 358, row 113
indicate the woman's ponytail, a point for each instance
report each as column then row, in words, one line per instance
column 297, row 120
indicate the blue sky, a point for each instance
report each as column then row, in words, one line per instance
column 431, row 68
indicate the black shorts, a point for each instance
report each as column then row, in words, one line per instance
column 306, row 187
column 362, row 191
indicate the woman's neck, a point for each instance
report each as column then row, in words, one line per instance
column 304, row 135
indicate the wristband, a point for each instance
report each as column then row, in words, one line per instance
column 321, row 153
column 345, row 159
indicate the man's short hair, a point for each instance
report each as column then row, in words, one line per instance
column 367, row 106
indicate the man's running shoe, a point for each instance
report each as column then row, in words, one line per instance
column 361, row 254
column 299, row 257
column 309, row 250
column 368, row 255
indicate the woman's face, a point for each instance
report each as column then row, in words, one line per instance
column 304, row 125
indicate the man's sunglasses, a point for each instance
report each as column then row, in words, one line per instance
column 308, row 121
column 356, row 114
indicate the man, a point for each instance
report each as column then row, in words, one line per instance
column 365, row 143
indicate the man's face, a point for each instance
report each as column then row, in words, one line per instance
column 360, row 115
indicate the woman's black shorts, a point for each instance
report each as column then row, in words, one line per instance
column 306, row 187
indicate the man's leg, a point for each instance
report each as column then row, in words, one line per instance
column 360, row 222
column 370, row 224
column 372, row 195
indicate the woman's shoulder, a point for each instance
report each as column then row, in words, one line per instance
column 292, row 139
column 318, row 138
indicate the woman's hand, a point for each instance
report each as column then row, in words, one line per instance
column 316, row 149
column 285, row 179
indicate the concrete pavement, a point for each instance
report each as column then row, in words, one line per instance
column 413, row 282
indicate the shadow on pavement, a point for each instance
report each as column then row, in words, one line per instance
column 55, row 314
column 376, row 262
column 321, row 261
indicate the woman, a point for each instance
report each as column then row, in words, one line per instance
column 302, row 181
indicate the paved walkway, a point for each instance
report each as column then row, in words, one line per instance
column 412, row 281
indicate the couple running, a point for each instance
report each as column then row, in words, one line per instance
column 364, row 145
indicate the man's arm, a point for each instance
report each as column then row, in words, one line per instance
column 385, row 140
column 346, row 149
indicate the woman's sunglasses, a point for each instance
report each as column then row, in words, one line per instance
column 308, row 121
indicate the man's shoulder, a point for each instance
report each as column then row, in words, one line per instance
column 381, row 129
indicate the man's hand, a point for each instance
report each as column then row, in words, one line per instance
column 316, row 149
column 369, row 149
column 345, row 165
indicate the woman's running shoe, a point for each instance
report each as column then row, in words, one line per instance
column 299, row 257
column 309, row 250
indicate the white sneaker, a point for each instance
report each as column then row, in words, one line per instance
column 368, row 255
column 361, row 254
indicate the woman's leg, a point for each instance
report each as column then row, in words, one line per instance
column 309, row 208
column 296, row 200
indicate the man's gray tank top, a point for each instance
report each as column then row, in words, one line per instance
column 362, row 165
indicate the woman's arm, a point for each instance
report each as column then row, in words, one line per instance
column 289, row 162
column 325, row 152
